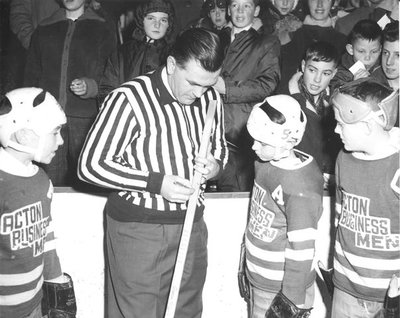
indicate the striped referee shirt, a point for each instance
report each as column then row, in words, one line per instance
column 141, row 134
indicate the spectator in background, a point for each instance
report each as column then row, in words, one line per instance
column 67, row 57
column 146, row 50
column 362, row 56
column 388, row 72
column 250, row 73
column 317, row 26
column 25, row 16
column 215, row 15
column 281, row 17
column 310, row 88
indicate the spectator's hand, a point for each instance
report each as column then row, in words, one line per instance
column 78, row 87
column 208, row 167
column 361, row 74
column 176, row 189
column 220, row 86
column 257, row 23
column 394, row 287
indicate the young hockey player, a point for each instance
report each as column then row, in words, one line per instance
column 367, row 251
column 30, row 123
column 286, row 205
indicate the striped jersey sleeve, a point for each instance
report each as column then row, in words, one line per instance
column 142, row 134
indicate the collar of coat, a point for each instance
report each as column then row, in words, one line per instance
column 60, row 15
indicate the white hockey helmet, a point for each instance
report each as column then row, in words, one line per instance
column 30, row 108
column 277, row 121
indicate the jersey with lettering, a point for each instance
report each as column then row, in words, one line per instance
column 27, row 253
column 286, row 205
column 367, row 251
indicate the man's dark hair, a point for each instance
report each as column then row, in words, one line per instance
column 322, row 51
column 367, row 30
column 201, row 45
column 391, row 32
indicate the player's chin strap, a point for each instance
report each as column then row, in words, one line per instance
column 36, row 152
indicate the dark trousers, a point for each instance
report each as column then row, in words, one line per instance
column 141, row 259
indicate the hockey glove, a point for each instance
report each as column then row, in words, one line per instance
column 59, row 299
column 283, row 307
column 244, row 286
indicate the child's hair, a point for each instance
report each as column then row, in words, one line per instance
column 391, row 32
column 367, row 91
column 322, row 51
column 367, row 30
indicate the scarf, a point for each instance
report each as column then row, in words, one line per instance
column 319, row 105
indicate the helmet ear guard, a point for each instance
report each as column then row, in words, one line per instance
column 352, row 110
column 277, row 121
column 28, row 108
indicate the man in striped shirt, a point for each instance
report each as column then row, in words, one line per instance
column 144, row 145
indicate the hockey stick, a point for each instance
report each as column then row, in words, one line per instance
column 188, row 223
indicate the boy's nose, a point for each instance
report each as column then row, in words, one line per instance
column 285, row 2
column 317, row 78
column 157, row 23
column 319, row 3
column 390, row 60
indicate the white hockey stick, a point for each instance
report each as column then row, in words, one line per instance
column 188, row 224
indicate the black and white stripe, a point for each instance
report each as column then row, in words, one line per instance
column 141, row 130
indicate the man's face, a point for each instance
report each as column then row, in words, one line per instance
column 366, row 51
column 284, row 6
column 319, row 9
column 73, row 5
column 190, row 82
column 317, row 75
column 218, row 16
column 155, row 25
column 243, row 12
column 390, row 59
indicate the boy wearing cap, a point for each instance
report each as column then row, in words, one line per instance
column 30, row 123
column 285, row 207
column 250, row 73
column 367, row 250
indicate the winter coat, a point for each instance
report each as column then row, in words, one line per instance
column 63, row 50
column 251, row 73
column 135, row 57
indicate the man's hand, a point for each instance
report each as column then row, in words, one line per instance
column 78, row 87
column 208, row 167
column 176, row 189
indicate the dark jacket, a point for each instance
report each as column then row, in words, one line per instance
column 63, row 50
column 319, row 139
column 135, row 57
column 343, row 75
column 293, row 52
column 251, row 73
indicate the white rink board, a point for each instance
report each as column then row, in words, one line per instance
column 78, row 222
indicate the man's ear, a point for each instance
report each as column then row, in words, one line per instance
column 171, row 65
column 303, row 66
column 256, row 11
column 349, row 49
column 26, row 137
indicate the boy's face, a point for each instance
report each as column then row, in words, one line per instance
column 390, row 59
column 284, row 6
column 352, row 135
column 366, row 51
column 155, row 25
column 218, row 16
column 48, row 145
column 317, row 75
column 73, row 5
column 319, row 9
column 243, row 12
